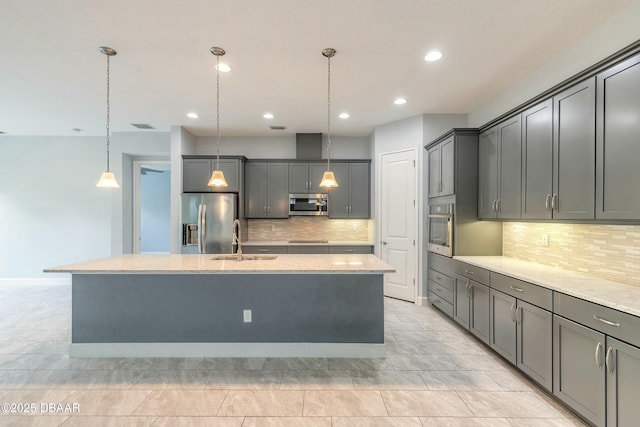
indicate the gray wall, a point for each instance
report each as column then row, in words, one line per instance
column 51, row 212
column 612, row 35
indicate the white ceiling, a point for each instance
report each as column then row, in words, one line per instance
column 52, row 76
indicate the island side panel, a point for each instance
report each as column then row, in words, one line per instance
column 198, row 308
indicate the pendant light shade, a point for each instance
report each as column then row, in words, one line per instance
column 328, row 178
column 108, row 179
column 217, row 177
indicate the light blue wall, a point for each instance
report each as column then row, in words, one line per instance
column 155, row 203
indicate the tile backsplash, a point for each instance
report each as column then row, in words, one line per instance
column 607, row 251
column 312, row 228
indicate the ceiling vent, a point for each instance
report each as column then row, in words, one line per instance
column 142, row 126
column 277, row 127
column 2, row 133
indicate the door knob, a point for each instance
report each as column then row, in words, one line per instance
column 383, row 242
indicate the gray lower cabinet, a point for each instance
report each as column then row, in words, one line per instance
column 351, row 200
column 308, row 249
column 617, row 148
column 440, row 282
column 266, row 190
column 471, row 306
column 502, row 325
column 534, row 338
column 197, row 171
column 579, row 372
column 623, row 383
column 350, row 249
column 267, row 249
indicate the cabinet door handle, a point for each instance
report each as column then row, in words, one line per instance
column 606, row 322
column 517, row 289
column 598, row 355
column 264, row 209
column 547, row 202
column 263, row 250
column 513, row 312
column 519, row 315
column 498, row 205
column 609, row 361
column 554, row 201
column 470, row 291
column 495, row 202
column 348, row 250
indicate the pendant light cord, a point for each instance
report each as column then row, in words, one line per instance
column 329, row 112
column 218, row 111
column 108, row 113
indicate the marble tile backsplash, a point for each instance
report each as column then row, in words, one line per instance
column 608, row 251
column 311, row 228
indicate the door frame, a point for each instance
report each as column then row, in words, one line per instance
column 416, row 214
column 136, row 198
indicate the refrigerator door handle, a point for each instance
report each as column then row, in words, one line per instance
column 204, row 229
column 200, row 228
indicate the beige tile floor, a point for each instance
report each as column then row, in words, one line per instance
column 435, row 374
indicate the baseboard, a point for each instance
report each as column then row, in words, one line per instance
column 422, row 301
column 346, row 350
column 30, row 281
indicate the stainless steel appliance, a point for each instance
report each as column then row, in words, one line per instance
column 207, row 222
column 440, row 226
column 309, row 204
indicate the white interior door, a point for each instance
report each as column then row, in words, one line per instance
column 398, row 223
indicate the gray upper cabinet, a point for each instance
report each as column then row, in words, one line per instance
column 267, row 190
column 574, row 152
column 537, row 161
column 500, row 167
column 197, row 171
column 617, row 147
column 441, row 168
column 351, row 199
column 306, row 177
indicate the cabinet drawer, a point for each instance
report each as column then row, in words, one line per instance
column 617, row 324
column 441, row 279
column 441, row 291
column 308, row 250
column 440, row 303
column 440, row 263
column 264, row 249
column 478, row 274
column 525, row 291
column 350, row 249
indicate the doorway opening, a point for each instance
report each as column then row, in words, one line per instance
column 152, row 207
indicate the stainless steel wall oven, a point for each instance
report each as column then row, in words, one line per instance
column 440, row 226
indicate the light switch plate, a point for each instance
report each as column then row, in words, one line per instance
column 246, row 316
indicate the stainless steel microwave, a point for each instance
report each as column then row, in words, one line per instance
column 309, row 204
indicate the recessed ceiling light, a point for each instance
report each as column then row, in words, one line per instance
column 400, row 101
column 223, row 68
column 433, row 55
column 268, row 116
column 192, row 115
column 344, row 115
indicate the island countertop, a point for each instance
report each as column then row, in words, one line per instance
column 204, row 264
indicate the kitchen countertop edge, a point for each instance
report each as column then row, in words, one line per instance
column 608, row 293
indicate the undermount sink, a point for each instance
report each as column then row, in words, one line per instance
column 308, row 241
column 234, row 257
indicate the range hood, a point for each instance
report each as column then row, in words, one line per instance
column 308, row 146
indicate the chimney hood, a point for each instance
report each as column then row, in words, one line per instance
column 308, row 146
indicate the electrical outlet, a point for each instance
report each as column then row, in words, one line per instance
column 354, row 227
column 273, row 227
column 545, row 240
column 246, row 316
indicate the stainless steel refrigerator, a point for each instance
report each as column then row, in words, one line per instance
column 207, row 222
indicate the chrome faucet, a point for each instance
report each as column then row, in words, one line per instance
column 237, row 238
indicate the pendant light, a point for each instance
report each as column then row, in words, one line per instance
column 328, row 178
column 217, row 177
column 108, row 179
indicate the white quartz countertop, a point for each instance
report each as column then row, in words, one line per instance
column 203, row 264
column 316, row 243
column 610, row 294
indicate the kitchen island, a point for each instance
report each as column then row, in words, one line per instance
column 195, row 306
